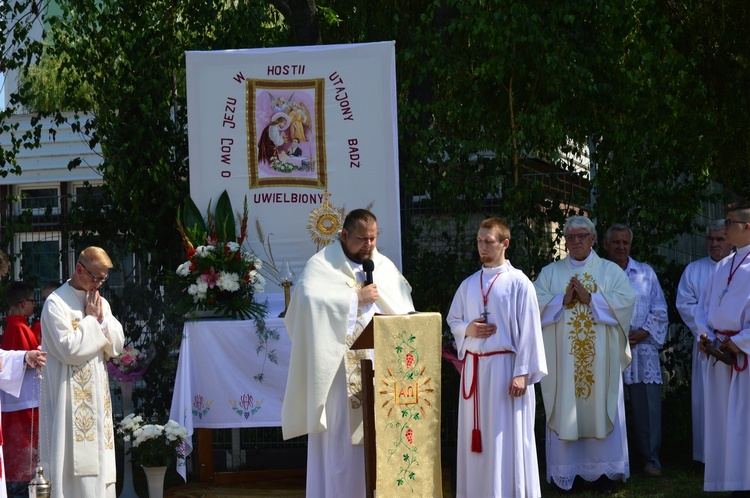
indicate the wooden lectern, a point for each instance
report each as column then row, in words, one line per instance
column 405, row 394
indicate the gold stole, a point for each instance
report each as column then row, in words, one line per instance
column 83, row 393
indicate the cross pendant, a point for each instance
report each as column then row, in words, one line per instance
column 721, row 296
column 484, row 314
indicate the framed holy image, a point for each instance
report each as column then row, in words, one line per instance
column 286, row 133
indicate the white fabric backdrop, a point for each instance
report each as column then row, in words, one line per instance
column 348, row 94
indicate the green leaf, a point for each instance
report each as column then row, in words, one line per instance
column 192, row 218
column 225, row 226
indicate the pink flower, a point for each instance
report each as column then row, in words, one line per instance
column 126, row 360
column 210, row 277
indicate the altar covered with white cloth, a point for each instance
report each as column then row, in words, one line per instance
column 231, row 374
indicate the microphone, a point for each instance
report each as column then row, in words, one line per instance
column 368, row 266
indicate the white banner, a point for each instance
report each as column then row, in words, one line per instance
column 291, row 128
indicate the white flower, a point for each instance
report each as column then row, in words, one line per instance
column 184, row 269
column 233, row 246
column 175, row 432
column 228, row 281
column 149, row 431
column 251, row 259
column 259, row 282
column 198, row 290
column 203, row 251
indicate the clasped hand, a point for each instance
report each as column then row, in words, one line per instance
column 94, row 305
column 36, row 358
column 636, row 336
column 575, row 291
column 480, row 329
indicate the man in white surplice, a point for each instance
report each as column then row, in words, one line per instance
column 586, row 303
column 328, row 309
column 724, row 316
column 80, row 334
column 692, row 284
column 648, row 331
column 494, row 318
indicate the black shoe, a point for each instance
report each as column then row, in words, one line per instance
column 604, row 486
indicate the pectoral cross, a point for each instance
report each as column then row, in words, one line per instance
column 484, row 313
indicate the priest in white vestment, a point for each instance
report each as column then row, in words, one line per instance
column 12, row 372
column 495, row 321
column 80, row 334
column 692, row 284
column 329, row 307
column 724, row 316
column 586, row 304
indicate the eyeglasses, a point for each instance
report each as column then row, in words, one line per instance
column 96, row 280
column 576, row 237
column 728, row 222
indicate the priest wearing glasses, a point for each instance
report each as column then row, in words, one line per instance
column 723, row 315
column 80, row 334
column 586, row 303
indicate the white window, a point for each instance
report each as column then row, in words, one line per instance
column 39, row 261
column 40, row 199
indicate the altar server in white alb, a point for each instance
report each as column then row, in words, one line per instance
column 80, row 334
column 724, row 316
column 329, row 308
column 586, row 304
column 495, row 321
column 692, row 284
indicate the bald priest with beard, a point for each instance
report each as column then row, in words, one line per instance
column 329, row 308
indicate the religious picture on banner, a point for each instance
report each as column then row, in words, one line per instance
column 286, row 130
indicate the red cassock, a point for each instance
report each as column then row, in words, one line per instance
column 20, row 455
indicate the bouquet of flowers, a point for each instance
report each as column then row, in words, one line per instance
column 153, row 445
column 129, row 365
column 219, row 275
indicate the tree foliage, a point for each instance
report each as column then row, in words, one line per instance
column 715, row 34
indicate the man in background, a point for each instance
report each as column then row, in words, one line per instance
column 692, row 284
column 648, row 331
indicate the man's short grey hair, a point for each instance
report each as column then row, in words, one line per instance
column 618, row 227
column 715, row 225
column 579, row 222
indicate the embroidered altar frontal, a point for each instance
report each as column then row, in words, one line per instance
column 407, row 405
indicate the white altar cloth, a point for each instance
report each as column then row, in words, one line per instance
column 228, row 376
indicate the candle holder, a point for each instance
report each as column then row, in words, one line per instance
column 287, row 280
